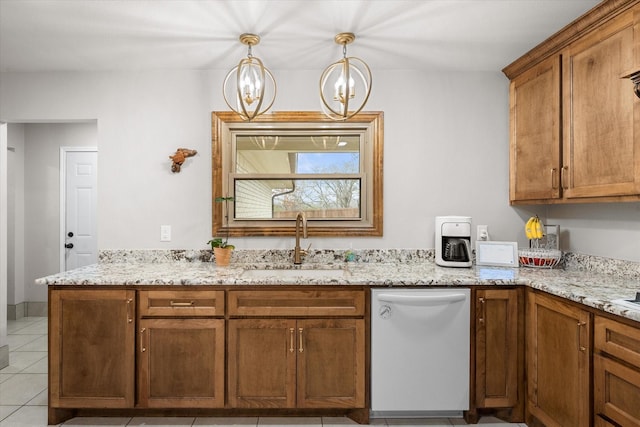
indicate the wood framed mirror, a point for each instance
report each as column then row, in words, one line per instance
column 283, row 163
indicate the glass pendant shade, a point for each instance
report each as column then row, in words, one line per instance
column 249, row 89
column 346, row 84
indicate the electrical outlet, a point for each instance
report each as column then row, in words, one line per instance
column 165, row 233
column 482, row 232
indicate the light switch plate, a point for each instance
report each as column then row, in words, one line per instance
column 165, row 233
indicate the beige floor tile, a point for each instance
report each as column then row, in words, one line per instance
column 41, row 399
column 290, row 421
column 40, row 367
column 21, row 388
column 36, row 328
column 161, row 421
column 19, row 360
column 16, row 341
column 337, row 422
column 419, row 422
column 226, row 421
column 4, row 377
column 6, row 410
column 38, row 344
column 27, row 416
column 97, row 421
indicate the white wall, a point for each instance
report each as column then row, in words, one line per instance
column 15, row 214
column 4, row 346
column 446, row 152
column 42, row 197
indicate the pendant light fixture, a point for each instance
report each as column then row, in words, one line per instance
column 249, row 89
column 345, row 85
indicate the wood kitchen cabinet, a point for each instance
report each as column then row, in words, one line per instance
column 297, row 362
column 616, row 373
column 91, row 349
column 499, row 350
column 558, row 362
column 535, row 128
column 574, row 119
column 601, row 143
column 181, row 348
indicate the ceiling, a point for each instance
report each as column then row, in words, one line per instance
column 50, row 35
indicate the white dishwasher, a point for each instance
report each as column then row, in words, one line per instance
column 420, row 352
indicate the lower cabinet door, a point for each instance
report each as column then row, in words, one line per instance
column 262, row 363
column 558, row 361
column 616, row 391
column 181, row 363
column 91, row 348
column 331, row 359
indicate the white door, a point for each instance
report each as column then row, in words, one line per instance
column 80, row 194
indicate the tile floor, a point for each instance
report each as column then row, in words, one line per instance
column 23, row 394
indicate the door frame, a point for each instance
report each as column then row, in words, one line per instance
column 63, row 194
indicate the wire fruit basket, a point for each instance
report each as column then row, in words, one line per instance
column 539, row 257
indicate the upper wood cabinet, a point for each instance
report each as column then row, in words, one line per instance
column 575, row 121
column 535, row 159
column 601, row 147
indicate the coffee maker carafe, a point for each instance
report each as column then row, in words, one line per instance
column 453, row 241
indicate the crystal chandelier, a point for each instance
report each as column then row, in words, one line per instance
column 249, row 89
column 345, row 85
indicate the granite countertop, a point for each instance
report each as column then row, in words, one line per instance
column 593, row 289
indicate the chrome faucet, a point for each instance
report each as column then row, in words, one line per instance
column 298, row 253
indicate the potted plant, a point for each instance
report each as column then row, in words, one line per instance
column 221, row 247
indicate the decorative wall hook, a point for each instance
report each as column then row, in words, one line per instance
column 179, row 157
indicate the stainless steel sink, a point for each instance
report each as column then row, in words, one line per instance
column 316, row 273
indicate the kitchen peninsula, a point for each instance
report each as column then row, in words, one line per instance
column 217, row 311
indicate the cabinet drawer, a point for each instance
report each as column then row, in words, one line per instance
column 618, row 340
column 296, row 303
column 616, row 391
column 181, row 303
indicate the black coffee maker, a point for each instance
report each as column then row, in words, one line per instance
column 453, row 241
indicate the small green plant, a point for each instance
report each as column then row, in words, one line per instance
column 223, row 242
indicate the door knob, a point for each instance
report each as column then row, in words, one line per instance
column 69, row 245
column 70, row 234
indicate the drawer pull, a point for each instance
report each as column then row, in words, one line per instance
column 291, row 339
column 580, row 346
column 142, row 347
column 129, row 310
column 482, row 305
column 301, row 349
column 182, row 304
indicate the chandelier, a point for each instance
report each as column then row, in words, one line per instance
column 249, row 89
column 346, row 84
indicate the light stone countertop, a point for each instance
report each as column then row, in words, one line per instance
column 590, row 288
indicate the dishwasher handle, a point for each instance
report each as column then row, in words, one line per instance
column 421, row 300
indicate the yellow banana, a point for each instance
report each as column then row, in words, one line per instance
column 539, row 228
column 529, row 228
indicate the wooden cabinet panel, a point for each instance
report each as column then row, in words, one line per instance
column 181, row 303
column 91, row 348
column 616, row 391
column 535, row 120
column 331, row 372
column 601, row 148
column 497, row 348
column 262, row 363
column 558, row 362
column 181, row 363
column 617, row 339
column 296, row 303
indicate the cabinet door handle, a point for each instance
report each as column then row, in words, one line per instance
column 142, row 347
column 291, row 339
column 181, row 304
column 300, row 349
column 554, row 184
column 129, row 310
column 563, row 177
column 482, row 308
column 580, row 346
